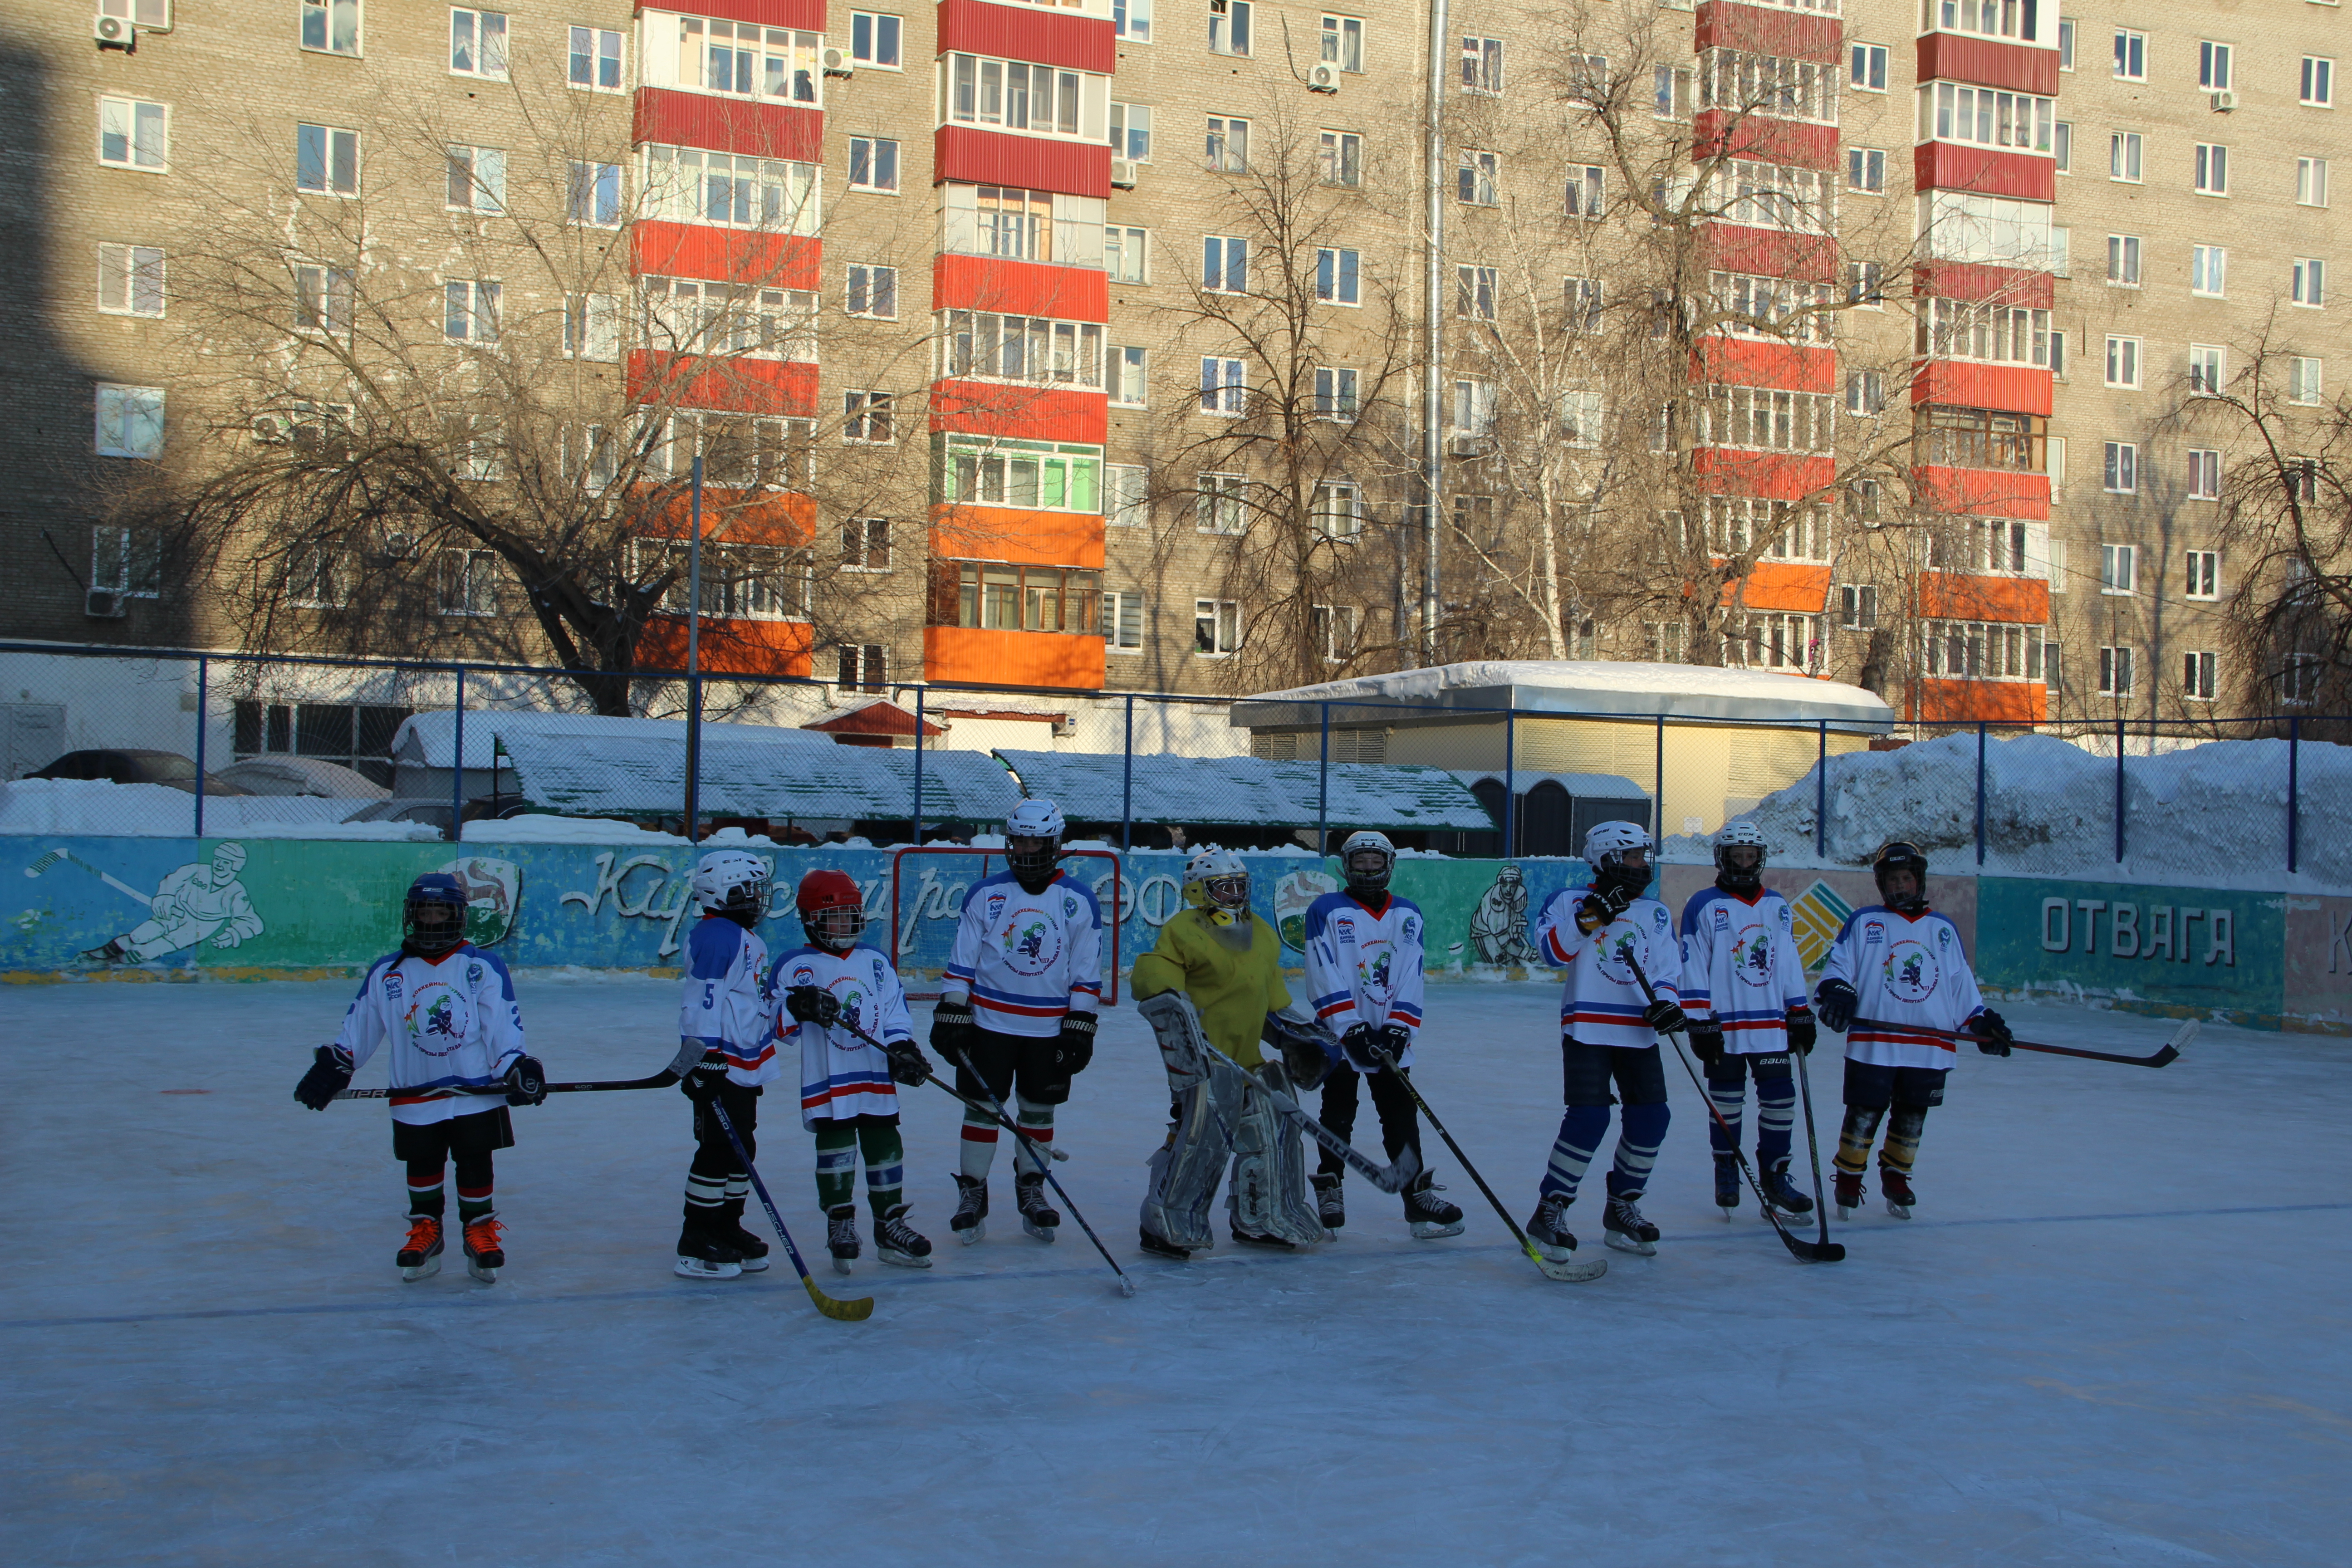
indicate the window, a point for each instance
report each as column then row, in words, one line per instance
column 1126, row 254
column 2118, row 568
column 1583, row 304
column 1228, row 145
column 1474, row 288
column 2123, row 156
column 1482, row 65
column 1866, row 170
column 1337, row 510
column 1343, row 43
column 478, row 179
column 2049, row 665
column 1338, row 276
column 331, row 27
column 1980, row 650
column 2123, row 260
column 2209, row 267
column 2115, row 672
column 325, row 161
column 2303, row 384
column 2310, row 282
column 1588, row 189
column 2122, row 362
column 865, row 417
column 1044, row 101
column 2002, row 334
column 1771, row 642
column 2062, row 145
column 593, row 195
column 1865, row 392
column 2311, row 182
column 873, row 164
column 2299, row 681
column 2204, row 475
column 1473, row 405
column 1858, row 607
column 2212, row 169
column 2120, row 475
column 129, row 421
column 478, row 44
column 743, row 58
column 2213, row 67
column 1228, row 26
column 1581, row 416
column 592, row 327
column 2058, row 356
column 1335, row 394
column 1127, row 496
column 1224, row 386
column 2197, row 677
column 1122, row 620
column 1982, row 438
column 865, row 541
column 688, row 184
column 1216, row 626
column 1022, row 348
column 1985, row 117
column 1670, row 92
column 738, row 452
column 1131, row 19
column 1771, row 307
column 1334, row 629
column 1340, row 159
column 864, row 667
column 2318, row 88
column 1130, row 131
column 1588, row 81
column 467, row 583
column 2203, row 578
column 1037, row 474
column 2205, row 370
column 1763, row 419
column 873, row 292
column 1773, row 529
column 127, row 561
column 1130, row 377
column 1474, row 519
column 131, row 280
column 1958, row 226
column 133, row 133
column 2066, row 43
column 2301, row 476
column 322, row 300
column 2131, row 57
column 1474, row 181
column 150, row 15
column 695, row 315
column 1866, row 67
column 874, row 40
column 1218, row 504
column 1776, row 196
column 470, row 312
column 1225, row 264
column 595, row 61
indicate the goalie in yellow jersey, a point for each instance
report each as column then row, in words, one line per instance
column 1213, row 985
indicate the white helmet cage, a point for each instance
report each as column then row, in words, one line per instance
column 1216, row 878
column 1035, row 818
column 729, row 882
column 1373, row 880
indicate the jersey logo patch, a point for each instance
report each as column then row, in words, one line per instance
column 804, row 976
column 1751, row 956
column 1032, row 944
column 439, row 1020
column 995, row 907
column 1911, row 971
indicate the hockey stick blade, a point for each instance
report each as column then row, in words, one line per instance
column 855, row 1310
column 2168, row 1053
column 1021, row 1141
column 995, row 1114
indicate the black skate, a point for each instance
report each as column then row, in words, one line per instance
column 1037, row 1218
column 420, row 1256
column 701, row 1255
column 896, row 1241
column 1782, row 1193
column 841, row 1236
column 1330, row 1206
column 1430, row 1215
column 970, row 1221
column 751, row 1253
column 484, row 1255
column 1847, row 1190
column 1894, row 1186
column 1727, row 1184
column 1156, row 1248
column 1623, row 1227
column 1555, row 1244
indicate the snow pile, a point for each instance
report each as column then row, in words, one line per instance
column 373, row 832
column 71, row 807
column 534, row 829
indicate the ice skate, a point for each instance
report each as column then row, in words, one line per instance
column 1555, row 1245
column 1430, row 1215
column 1257, row 1238
column 483, row 1256
column 1782, row 1193
column 1623, row 1227
column 1037, row 1218
column 702, row 1256
column 896, row 1241
column 970, row 1221
column 420, row 1254
column 750, row 1252
column 1727, row 1184
column 1330, row 1206
column 1153, row 1247
column 1847, row 1190
column 841, row 1236
column 1894, row 1186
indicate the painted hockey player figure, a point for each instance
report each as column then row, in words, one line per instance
column 1744, row 990
column 1364, row 979
column 1016, row 1011
column 448, row 1010
column 725, row 1009
column 1897, row 963
column 848, row 1096
column 1221, row 966
column 1608, row 1031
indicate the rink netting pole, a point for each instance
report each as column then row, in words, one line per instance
column 1980, row 792
column 2293, row 783
column 1821, row 791
column 203, row 673
column 2119, row 792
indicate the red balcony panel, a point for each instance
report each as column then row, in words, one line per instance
column 1761, row 362
column 1021, row 413
column 1982, row 492
column 1776, row 476
column 809, row 14
column 1969, row 701
column 985, row 657
column 1782, row 585
column 746, row 517
column 2011, row 388
column 1035, row 538
column 1769, row 30
column 1020, row 288
column 1990, row 62
column 964, row 156
column 1986, row 171
column 1791, row 142
column 1981, row 284
column 730, row 124
column 1018, row 33
column 1962, row 596
column 660, row 250
column 1770, row 253
column 782, row 387
column 731, row 648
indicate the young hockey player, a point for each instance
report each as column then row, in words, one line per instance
column 1017, row 1009
column 1744, row 989
column 848, row 1097
column 1609, row 1030
column 725, row 1009
column 1364, row 975
column 448, row 1008
column 1897, row 963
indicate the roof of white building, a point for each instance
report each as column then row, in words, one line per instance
column 1570, row 689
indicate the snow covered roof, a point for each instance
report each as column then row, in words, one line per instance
column 1572, row 688
column 1089, row 787
column 425, row 740
column 1584, row 787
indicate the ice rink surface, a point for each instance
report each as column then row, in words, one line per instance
column 2114, row 1335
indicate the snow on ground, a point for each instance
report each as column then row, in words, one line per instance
column 2114, row 1335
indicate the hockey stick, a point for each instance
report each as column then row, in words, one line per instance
column 2169, row 1052
column 1393, row 1177
column 679, row 1067
column 1801, row 1061
column 1022, row 1140
column 993, row 1112
column 1805, row 1251
column 1573, row 1273
column 854, row 1310
column 51, row 859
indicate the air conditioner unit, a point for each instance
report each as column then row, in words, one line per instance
column 398, row 546
column 102, row 605
column 1470, row 446
column 1323, row 76
column 837, row 63
column 2224, row 101
column 1122, row 174
column 115, row 32
column 272, row 429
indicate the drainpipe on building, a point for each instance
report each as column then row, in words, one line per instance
column 1432, row 408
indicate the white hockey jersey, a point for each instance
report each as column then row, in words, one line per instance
column 1363, row 966
column 1741, row 967
column 452, row 1022
column 1905, row 969
column 725, row 1005
column 841, row 1075
column 1601, row 1003
column 1024, row 959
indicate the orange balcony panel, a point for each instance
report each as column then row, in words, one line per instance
column 984, row 658
column 1989, row 62
column 1983, row 285
column 739, row 517
column 1020, row 288
column 1024, row 32
column 2011, row 388
column 1017, row 533
column 728, row 124
column 1969, row 701
column 1983, row 493
column 1722, row 23
column 730, row 647
column 1768, row 253
column 1987, row 170
column 1782, row 585
column 1793, row 142
column 965, row 155
column 1021, row 413
column 735, row 385
column 1960, row 596
column 661, row 249
column 1765, row 362
column 1777, row 476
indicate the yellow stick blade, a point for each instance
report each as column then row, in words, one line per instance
column 854, row 1311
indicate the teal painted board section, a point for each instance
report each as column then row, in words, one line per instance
column 2191, row 948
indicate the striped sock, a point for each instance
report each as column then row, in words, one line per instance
column 979, row 1144
column 1641, row 1129
column 1729, row 1098
column 1036, row 1124
column 886, row 1169
column 836, row 1163
column 1580, row 1127
column 473, row 1203
column 426, row 1196
column 1776, row 1114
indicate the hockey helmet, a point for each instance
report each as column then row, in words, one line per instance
column 1739, row 851
column 432, row 920
column 1216, row 883
column 833, row 910
column 1365, row 860
column 1901, row 855
column 730, row 882
column 1619, row 853
column 1033, row 841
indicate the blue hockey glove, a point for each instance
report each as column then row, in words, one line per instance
column 1992, row 1031
column 1836, row 1001
column 330, row 1075
column 526, row 1082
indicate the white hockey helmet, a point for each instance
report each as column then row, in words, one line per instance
column 730, row 882
column 1216, row 883
column 1606, row 841
column 1035, row 820
column 1365, row 861
column 1739, row 872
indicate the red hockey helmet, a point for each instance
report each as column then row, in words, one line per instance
column 833, row 910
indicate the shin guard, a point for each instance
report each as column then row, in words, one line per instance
column 1856, row 1137
column 1902, row 1132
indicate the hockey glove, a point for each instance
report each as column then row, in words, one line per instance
column 1799, row 1025
column 1707, row 1043
column 1073, row 1047
column 812, row 1004
column 330, row 1075
column 1600, row 906
column 526, row 1082
column 1664, row 1018
column 701, row 1085
column 908, row 1063
column 1992, row 1033
column 1389, row 1043
column 953, row 1029
column 1836, row 1001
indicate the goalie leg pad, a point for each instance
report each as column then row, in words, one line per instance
column 1269, row 1185
column 1186, row 1169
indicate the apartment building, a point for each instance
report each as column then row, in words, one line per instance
column 1088, row 345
